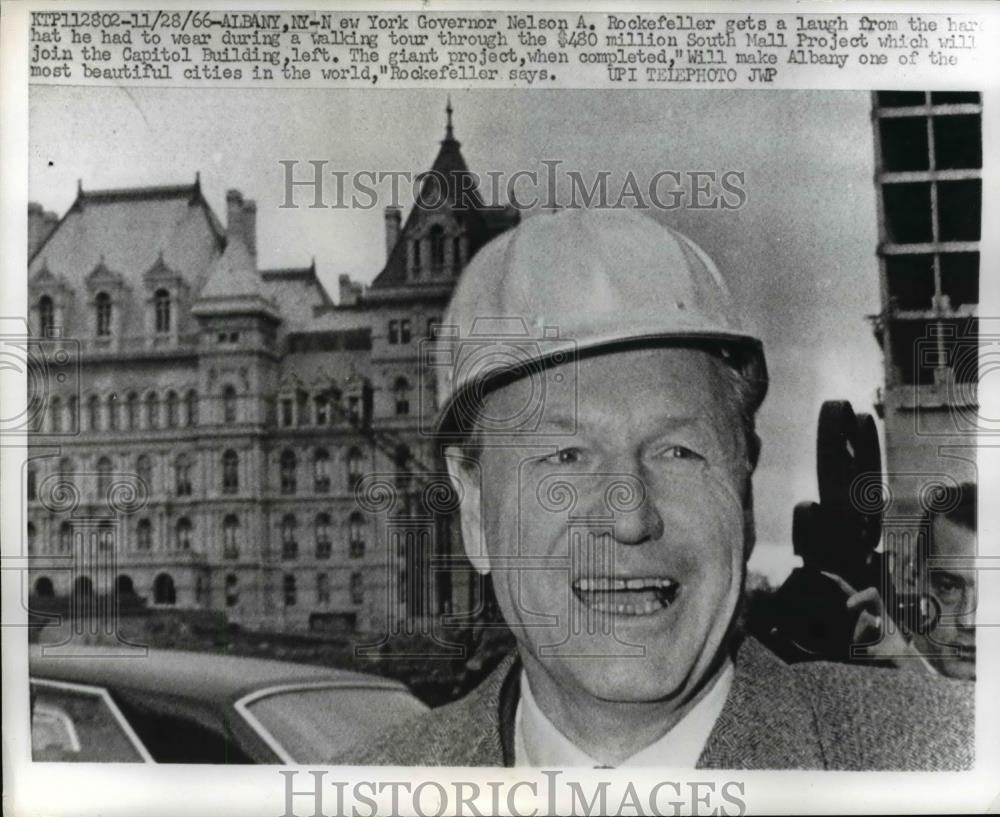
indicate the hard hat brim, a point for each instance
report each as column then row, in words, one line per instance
column 744, row 352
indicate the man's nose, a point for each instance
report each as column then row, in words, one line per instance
column 638, row 521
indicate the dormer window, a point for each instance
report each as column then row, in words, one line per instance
column 102, row 305
column 46, row 316
column 401, row 393
column 400, row 331
column 437, row 246
column 161, row 306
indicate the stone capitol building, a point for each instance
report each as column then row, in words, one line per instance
column 231, row 433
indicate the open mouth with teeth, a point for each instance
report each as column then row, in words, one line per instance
column 626, row 597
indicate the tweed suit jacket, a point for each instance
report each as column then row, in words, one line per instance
column 778, row 716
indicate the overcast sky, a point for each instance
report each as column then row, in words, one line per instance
column 800, row 253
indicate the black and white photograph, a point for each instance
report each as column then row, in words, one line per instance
column 626, row 431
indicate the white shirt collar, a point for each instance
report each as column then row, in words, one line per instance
column 537, row 742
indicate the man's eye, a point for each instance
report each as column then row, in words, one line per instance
column 681, row 452
column 946, row 586
column 564, row 456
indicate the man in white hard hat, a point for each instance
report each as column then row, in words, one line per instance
column 597, row 391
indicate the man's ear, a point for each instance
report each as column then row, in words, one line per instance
column 749, row 523
column 466, row 478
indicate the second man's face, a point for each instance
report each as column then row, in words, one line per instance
column 616, row 534
column 951, row 646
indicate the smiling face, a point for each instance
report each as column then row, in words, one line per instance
column 617, row 534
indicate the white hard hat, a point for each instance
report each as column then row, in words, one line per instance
column 575, row 281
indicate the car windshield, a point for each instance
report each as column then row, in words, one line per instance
column 72, row 722
column 314, row 725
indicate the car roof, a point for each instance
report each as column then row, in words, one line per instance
column 198, row 675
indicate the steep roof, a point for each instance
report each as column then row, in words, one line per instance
column 130, row 228
column 234, row 286
column 297, row 291
column 482, row 221
column 120, row 237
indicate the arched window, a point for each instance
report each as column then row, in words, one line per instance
column 171, row 409
column 83, row 587
column 184, row 533
column 124, row 585
column 191, row 408
column 55, row 415
column 401, row 394
column 416, row 254
column 105, row 536
column 144, row 535
column 456, row 251
column 230, row 472
column 182, row 475
column 229, row 404
column 144, row 469
column 161, row 301
column 356, row 535
column 44, row 587
column 202, row 590
column 131, row 411
column 103, row 477
column 322, row 589
column 231, row 537
column 289, row 590
column 354, row 465
column 94, row 413
column 32, row 483
column 32, row 537
column 152, row 410
column 436, row 234
column 232, row 590
column 322, row 534
column 102, row 306
column 65, row 537
column 164, row 591
column 302, row 407
column 357, row 588
column 73, row 410
column 401, row 459
column 289, row 463
column 321, row 470
column 322, row 409
column 112, row 412
column 287, row 412
column 289, row 544
column 46, row 317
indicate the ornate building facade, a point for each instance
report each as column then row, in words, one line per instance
column 239, row 440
